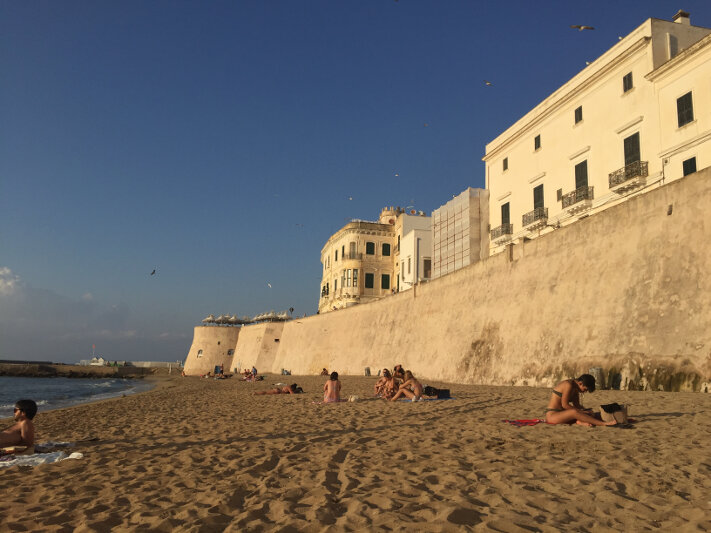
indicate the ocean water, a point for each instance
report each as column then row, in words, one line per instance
column 53, row 393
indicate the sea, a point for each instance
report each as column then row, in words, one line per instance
column 53, row 393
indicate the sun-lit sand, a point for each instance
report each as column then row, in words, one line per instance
column 205, row 455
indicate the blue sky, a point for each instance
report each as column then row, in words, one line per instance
column 221, row 142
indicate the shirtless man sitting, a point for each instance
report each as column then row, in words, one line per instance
column 410, row 388
column 23, row 432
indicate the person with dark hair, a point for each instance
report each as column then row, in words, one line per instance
column 23, row 432
column 324, row 372
column 332, row 389
column 293, row 389
column 564, row 406
column 398, row 372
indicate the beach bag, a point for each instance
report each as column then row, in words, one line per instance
column 440, row 394
column 614, row 411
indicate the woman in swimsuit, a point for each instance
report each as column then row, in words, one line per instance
column 564, row 406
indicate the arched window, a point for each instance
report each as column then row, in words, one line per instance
column 199, row 354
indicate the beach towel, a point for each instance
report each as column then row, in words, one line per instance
column 525, row 422
column 37, row 459
column 426, row 399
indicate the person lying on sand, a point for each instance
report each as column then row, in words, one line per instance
column 410, row 388
column 22, row 433
column 564, row 406
column 292, row 389
column 332, row 389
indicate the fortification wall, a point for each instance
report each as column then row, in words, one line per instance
column 216, row 342
column 627, row 290
column 258, row 345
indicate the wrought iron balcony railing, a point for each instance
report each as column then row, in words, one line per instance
column 578, row 195
column 638, row 169
column 539, row 214
column 501, row 231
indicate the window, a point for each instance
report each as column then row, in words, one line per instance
column 506, row 214
column 673, row 45
column 427, row 268
column 689, row 166
column 370, row 248
column 538, row 197
column 230, row 352
column 627, row 82
column 343, row 251
column 348, row 277
column 537, row 142
column 409, row 265
column 506, row 164
column 199, row 354
column 335, row 257
column 385, row 281
column 352, row 250
column 355, row 277
column 581, row 174
column 684, row 109
column 578, row 114
column 369, row 280
column 335, row 285
column 386, row 249
column 326, row 288
column 631, row 145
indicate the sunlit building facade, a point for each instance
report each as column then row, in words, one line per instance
column 635, row 118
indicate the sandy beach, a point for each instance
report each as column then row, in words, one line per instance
column 204, row 455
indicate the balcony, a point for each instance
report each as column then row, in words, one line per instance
column 538, row 218
column 502, row 233
column 629, row 177
column 353, row 255
column 578, row 200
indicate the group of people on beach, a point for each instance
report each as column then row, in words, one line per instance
column 394, row 385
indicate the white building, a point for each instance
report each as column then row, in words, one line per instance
column 459, row 231
column 413, row 250
column 636, row 117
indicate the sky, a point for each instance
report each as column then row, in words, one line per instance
column 222, row 143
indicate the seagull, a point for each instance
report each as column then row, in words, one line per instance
column 581, row 28
column 488, row 83
column 396, row 174
column 350, row 198
column 154, row 271
column 426, row 124
column 269, row 285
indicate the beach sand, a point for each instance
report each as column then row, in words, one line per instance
column 204, row 455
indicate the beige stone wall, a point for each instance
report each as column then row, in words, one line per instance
column 627, row 290
column 215, row 342
column 258, row 347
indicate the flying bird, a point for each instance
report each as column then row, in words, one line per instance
column 581, row 28
column 154, row 271
column 269, row 285
column 488, row 83
column 426, row 124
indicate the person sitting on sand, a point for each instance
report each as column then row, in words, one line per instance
column 564, row 406
column 293, row 389
column 332, row 389
column 380, row 384
column 398, row 372
column 410, row 388
column 22, row 433
column 324, row 372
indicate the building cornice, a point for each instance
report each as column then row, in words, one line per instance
column 690, row 143
column 564, row 95
column 677, row 60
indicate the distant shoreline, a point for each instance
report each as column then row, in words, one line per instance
column 44, row 370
